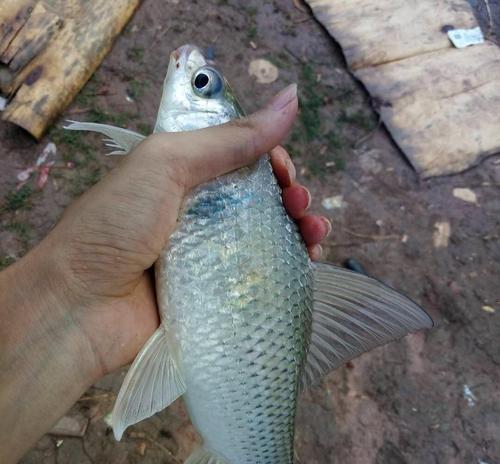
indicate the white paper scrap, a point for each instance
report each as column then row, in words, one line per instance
column 462, row 38
column 3, row 103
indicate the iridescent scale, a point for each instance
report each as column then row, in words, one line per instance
column 235, row 287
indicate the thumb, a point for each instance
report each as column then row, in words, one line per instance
column 207, row 153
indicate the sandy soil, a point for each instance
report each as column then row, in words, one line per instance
column 407, row 402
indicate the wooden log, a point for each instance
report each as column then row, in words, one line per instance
column 13, row 15
column 373, row 32
column 65, row 59
column 32, row 38
column 440, row 104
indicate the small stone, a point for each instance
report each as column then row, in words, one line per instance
column 263, row 70
column 59, row 443
column 488, row 309
column 253, row 45
column 334, row 202
column 71, row 426
column 404, row 238
column 465, row 194
column 441, row 236
column 141, row 448
column 369, row 162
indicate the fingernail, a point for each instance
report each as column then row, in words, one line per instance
column 283, row 98
column 292, row 173
column 309, row 199
column 328, row 225
column 316, row 251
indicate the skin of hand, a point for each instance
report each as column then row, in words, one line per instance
column 82, row 303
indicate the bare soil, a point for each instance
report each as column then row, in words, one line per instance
column 432, row 397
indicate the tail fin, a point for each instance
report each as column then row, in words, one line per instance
column 152, row 383
column 204, row 456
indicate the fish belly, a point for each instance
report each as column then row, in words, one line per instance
column 235, row 288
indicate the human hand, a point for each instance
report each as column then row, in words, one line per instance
column 87, row 302
column 114, row 233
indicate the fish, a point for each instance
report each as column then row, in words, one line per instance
column 247, row 320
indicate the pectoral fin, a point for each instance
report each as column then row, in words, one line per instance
column 354, row 313
column 123, row 140
column 151, row 384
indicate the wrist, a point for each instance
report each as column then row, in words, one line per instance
column 46, row 362
column 37, row 312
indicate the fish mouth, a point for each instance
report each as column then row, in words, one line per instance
column 188, row 57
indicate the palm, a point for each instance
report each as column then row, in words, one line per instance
column 119, row 329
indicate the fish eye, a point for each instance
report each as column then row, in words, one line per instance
column 207, row 82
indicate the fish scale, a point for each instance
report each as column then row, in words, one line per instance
column 240, row 326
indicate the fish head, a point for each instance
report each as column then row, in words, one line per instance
column 195, row 94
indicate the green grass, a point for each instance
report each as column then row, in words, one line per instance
column 144, row 128
column 252, row 11
column 85, row 179
column 6, row 261
column 22, row 230
column 252, row 32
column 74, row 140
column 98, row 115
column 135, row 54
column 86, row 96
column 18, row 199
column 137, row 88
column 358, row 119
column 311, row 98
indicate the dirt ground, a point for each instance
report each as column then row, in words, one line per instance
column 429, row 398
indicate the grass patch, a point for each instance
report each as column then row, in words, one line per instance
column 18, row 199
column 86, row 96
column 252, row 32
column 85, row 179
column 311, row 100
column 6, row 261
column 137, row 88
column 98, row 115
column 135, row 54
column 21, row 229
column 72, row 139
column 358, row 119
column 144, row 128
column 252, row 11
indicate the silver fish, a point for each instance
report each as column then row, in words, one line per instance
column 247, row 320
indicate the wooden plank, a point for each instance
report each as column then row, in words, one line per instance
column 373, row 32
column 50, row 80
column 440, row 104
column 435, row 75
column 448, row 135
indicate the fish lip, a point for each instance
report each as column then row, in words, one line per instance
column 182, row 54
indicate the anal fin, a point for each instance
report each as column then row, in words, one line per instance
column 204, row 456
column 352, row 314
column 151, row 384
